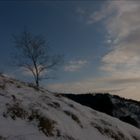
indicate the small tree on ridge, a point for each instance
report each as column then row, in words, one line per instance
column 34, row 56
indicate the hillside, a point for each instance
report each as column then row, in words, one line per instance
column 27, row 113
column 126, row 110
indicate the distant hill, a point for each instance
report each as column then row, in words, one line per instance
column 126, row 110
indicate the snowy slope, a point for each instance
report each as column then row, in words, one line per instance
column 27, row 114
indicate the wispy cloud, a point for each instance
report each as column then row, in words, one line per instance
column 92, row 85
column 121, row 65
column 73, row 66
column 125, row 28
column 91, row 16
column 113, row 85
column 122, row 23
column 87, row 85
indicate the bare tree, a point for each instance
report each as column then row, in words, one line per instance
column 33, row 55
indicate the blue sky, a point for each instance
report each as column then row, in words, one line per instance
column 59, row 22
column 98, row 38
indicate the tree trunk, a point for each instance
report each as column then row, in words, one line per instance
column 37, row 82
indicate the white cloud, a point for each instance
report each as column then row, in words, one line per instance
column 73, row 66
column 81, row 11
column 121, row 64
column 122, row 23
column 125, row 27
column 97, row 16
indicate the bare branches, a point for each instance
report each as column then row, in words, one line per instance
column 34, row 55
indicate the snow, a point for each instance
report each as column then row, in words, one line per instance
column 72, row 120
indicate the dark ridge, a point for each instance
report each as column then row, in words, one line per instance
column 100, row 102
column 127, row 110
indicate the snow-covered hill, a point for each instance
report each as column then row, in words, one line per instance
column 29, row 114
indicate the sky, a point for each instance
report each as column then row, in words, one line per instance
column 99, row 39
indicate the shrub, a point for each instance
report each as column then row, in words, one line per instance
column 135, row 137
column 71, row 105
column 54, row 105
column 105, row 123
column 66, row 137
column 116, row 135
column 2, row 138
column 46, row 125
column 2, row 85
column 18, row 86
column 74, row 117
column 32, row 85
column 15, row 111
